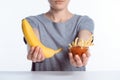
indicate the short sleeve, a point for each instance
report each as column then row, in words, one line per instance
column 87, row 23
column 33, row 22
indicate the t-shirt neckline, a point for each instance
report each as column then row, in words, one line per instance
column 49, row 20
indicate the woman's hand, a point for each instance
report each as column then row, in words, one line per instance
column 77, row 61
column 35, row 54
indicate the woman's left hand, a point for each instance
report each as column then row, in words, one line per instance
column 77, row 61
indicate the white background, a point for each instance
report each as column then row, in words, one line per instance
column 105, row 54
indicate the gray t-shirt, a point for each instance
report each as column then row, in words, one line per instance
column 59, row 35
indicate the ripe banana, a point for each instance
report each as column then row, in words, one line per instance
column 32, row 40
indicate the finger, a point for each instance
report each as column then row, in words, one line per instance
column 29, row 56
column 42, row 55
column 35, row 53
column 72, row 61
column 38, row 56
column 88, row 53
column 78, row 61
column 85, row 59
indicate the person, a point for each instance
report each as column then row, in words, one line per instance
column 56, row 29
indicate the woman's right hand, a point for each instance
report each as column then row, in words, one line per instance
column 35, row 54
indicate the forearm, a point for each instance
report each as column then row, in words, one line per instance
column 84, row 34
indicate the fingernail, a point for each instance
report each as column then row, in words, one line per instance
column 84, row 55
column 76, row 56
column 37, row 47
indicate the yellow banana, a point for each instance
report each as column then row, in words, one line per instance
column 32, row 40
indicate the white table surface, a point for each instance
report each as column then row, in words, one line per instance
column 93, row 75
